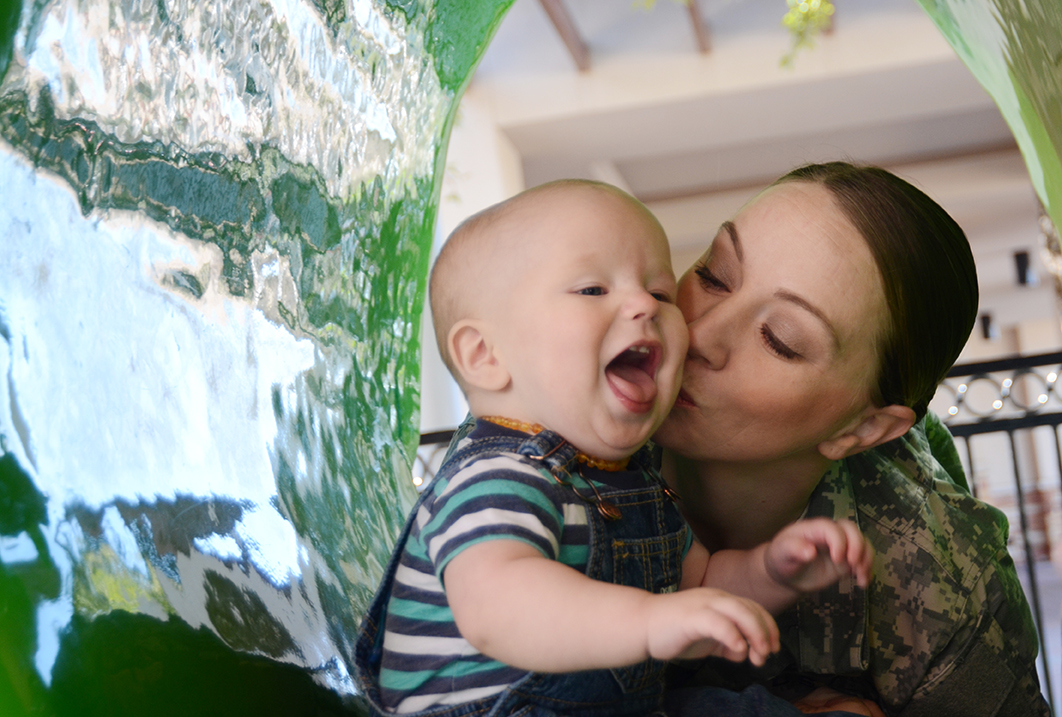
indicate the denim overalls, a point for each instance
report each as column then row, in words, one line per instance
column 643, row 548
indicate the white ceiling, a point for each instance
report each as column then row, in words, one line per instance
column 694, row 135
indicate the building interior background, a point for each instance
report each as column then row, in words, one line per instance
column 695, row 108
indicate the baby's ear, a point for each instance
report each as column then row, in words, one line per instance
column 879, row 424
column 475, row 357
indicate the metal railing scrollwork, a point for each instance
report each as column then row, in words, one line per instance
column 1020, row 399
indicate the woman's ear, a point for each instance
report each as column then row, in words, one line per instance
column 878, row 425
column 475, row 356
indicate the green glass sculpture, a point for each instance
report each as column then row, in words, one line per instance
column 1014, row 49
column 216, row 219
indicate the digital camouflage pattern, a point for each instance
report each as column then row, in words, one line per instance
column 944, row 628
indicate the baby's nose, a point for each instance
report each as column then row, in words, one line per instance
column 643, row 305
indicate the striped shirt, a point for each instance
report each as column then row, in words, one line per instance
column 425, row 660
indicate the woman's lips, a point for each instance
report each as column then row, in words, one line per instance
column 683, row 399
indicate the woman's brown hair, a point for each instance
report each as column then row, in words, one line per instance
column 927, row 270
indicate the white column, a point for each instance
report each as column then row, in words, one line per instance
column 482, row 168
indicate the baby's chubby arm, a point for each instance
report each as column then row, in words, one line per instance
column 805, row 556
column 519, row 607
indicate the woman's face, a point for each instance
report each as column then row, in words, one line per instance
column 785, row 312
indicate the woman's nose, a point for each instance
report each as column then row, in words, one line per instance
column 711, row 336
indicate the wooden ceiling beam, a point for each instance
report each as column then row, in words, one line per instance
column 700, row 28
column 562, row 21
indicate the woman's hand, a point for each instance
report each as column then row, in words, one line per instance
column 812, row 554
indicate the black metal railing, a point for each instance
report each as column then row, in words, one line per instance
column 1012, row 397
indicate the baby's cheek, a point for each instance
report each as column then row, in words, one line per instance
column 677, row 334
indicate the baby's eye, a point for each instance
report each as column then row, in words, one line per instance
column 662, row 296
column 592, row 291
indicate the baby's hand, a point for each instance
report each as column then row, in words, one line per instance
column 809, row 555
column 705, row 622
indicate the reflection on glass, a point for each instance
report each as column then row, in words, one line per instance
column 217, row 219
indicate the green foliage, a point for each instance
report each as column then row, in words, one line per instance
column 805, row 20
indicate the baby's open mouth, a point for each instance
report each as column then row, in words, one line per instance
column 632, row 376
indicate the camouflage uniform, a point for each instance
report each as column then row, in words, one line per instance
column 944, row 628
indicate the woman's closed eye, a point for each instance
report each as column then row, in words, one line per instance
column 708, row 280
column 776, row 345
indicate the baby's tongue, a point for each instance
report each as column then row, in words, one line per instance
column 631, row 382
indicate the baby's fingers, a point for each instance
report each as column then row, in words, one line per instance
column 718, row 637
column 837, row 538
column 860, row 554
column 849, row 549
column 754, row 623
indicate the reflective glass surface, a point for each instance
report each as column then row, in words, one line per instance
column 216, row 220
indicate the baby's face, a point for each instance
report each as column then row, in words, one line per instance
column 589, row 329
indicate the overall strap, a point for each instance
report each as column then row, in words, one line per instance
column 546, row 447
column 544, row 450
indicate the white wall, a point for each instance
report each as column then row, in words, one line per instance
column 482, row 168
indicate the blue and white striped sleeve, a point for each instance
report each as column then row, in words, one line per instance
column 493, row 498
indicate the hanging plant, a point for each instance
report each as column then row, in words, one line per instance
column 805, row 20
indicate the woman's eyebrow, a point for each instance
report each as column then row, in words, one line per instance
column 811, row 309
column 731, row 230
column 735, row 240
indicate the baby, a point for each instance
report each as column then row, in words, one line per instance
column 547, row 568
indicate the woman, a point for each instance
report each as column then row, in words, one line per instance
column 821, row 320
